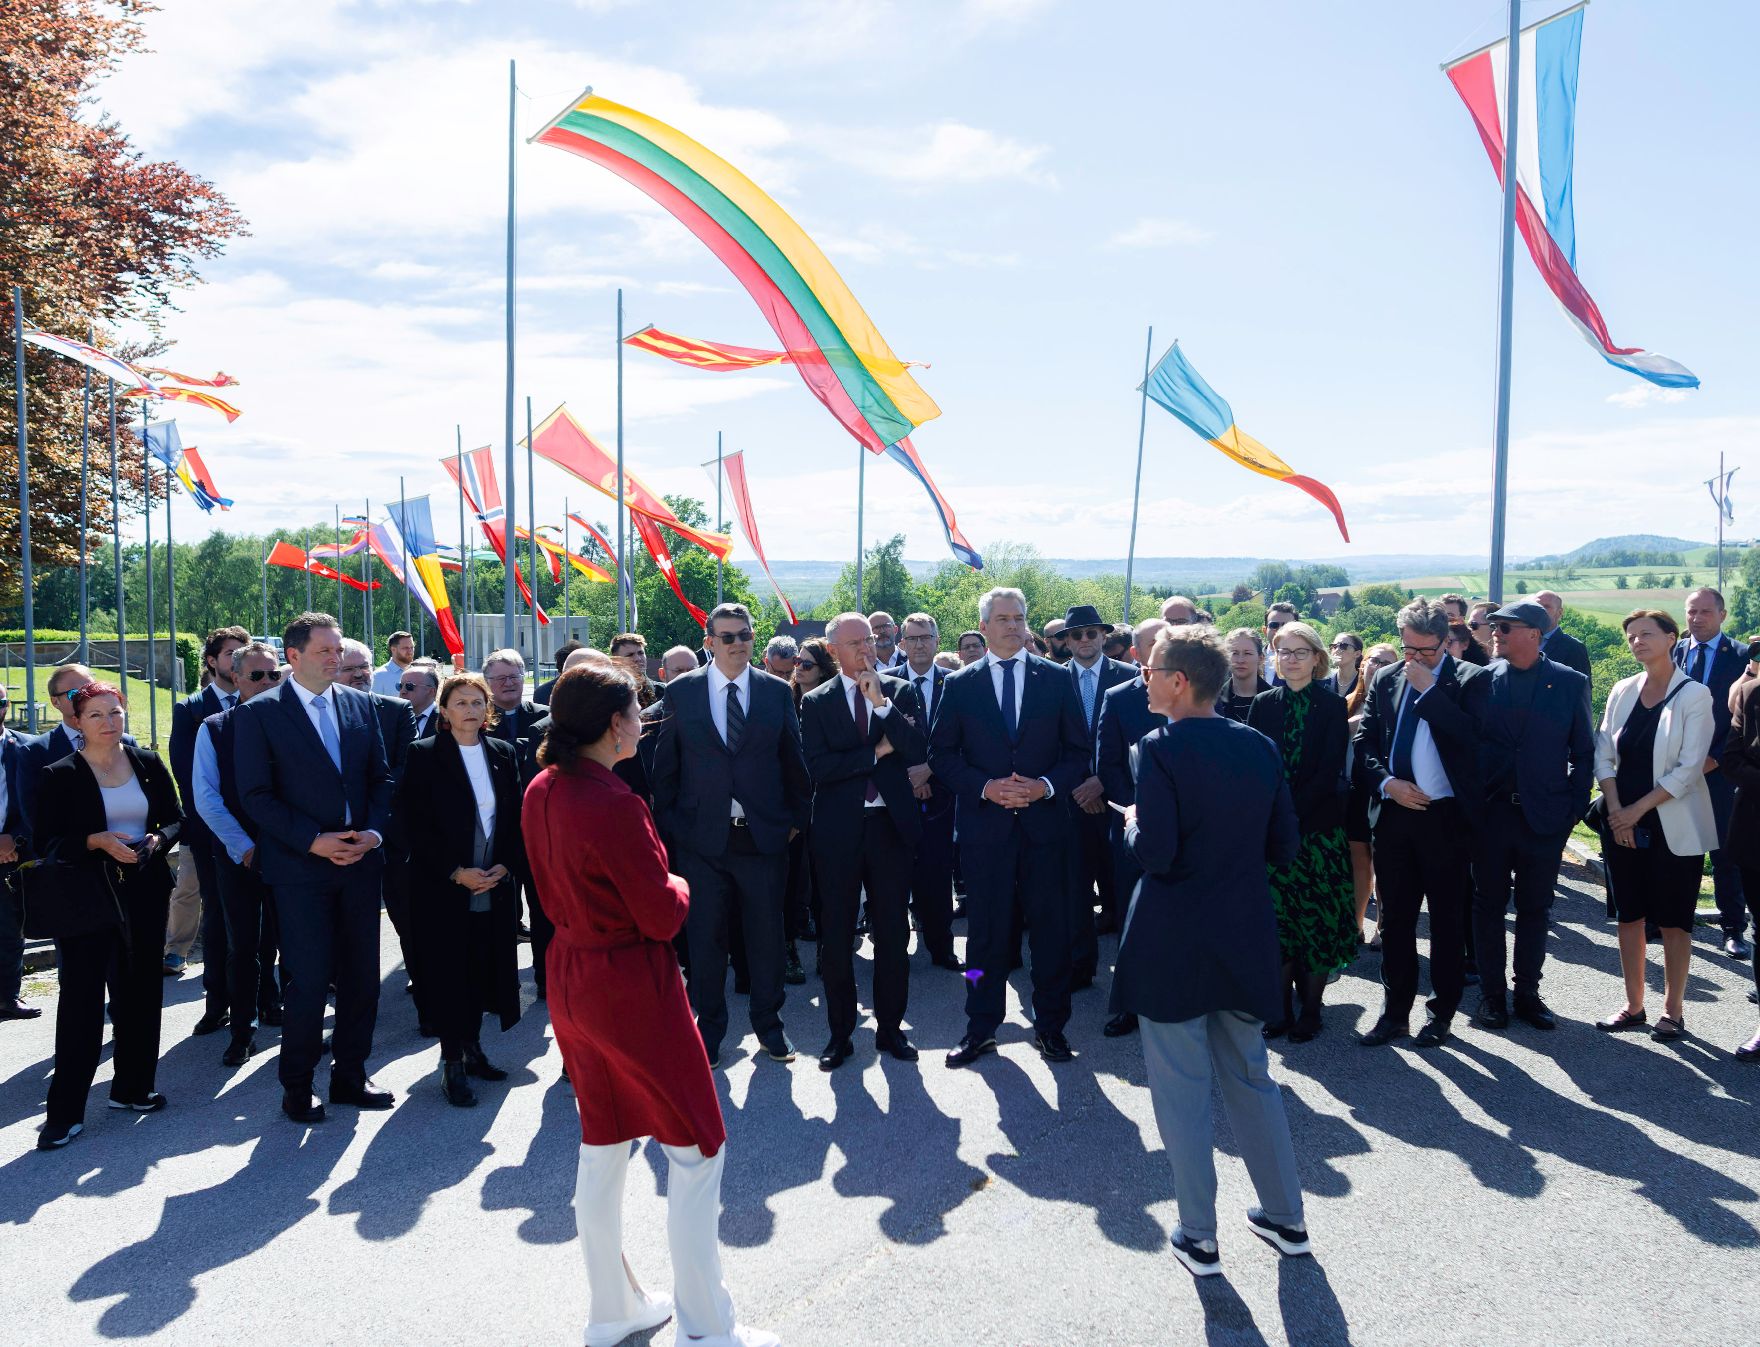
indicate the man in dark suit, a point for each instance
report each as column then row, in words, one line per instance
column 1125, row 718
column 418, row 686
column 313, row 775
column 1010, row 741
column 862, row 731
column 1711, row 658
column 932, row 869
column 1416, row 757
column 523, row 724
column 730, row 790
column 187, row 715
column 1558, row 645
column 1093, row 675
column 14, row 844
column 541, row 694
column 1536, row 761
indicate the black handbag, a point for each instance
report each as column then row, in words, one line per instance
column 66, row 899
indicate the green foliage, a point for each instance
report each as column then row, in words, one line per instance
column 1249, row 614
column 1619, row 582
column 1745, row 601
column 1521, row 586
column 1374, row 622
column 1384, row 596
column 886, row 584
column 1667, row 582
column 1345, row 602
column 1604, row 673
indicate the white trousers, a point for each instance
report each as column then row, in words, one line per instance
column 701, row 1302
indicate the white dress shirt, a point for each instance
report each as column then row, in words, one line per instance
column 313, row 714
column 718, row 685
column 851, row 692
column 1427, row 771
column 1019, row 660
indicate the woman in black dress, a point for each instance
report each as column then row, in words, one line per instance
column 1246, row 655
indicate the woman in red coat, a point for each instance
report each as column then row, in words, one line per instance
column 618, row 1006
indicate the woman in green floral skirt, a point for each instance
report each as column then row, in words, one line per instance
column 1316, row 914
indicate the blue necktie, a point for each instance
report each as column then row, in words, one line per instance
column 1405, row 734
column 327, row 732
column 1088, row 680
column 1009, row 719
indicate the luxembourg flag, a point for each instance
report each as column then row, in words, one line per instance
column 1546, row 129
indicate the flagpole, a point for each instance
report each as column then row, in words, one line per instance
column 718, row 512
column 152, row 616
column 367, row 579
column 1505, row 306
column 622, row 598
column 507, row 586
column 861, row 502
column 85, row 460
column 531, row 528
column 308, row 542
column 171, row 596
column 567, row 570
column 1130, row 556
column 464, row 570
column 116, row 549
column 403, row 508
column 336, row 512
column 24, row 516
column 1722, row 491
column 264, row 562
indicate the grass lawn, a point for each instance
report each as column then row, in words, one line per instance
column 139, row 721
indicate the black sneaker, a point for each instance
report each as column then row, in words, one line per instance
column 151, row 1102
column 1200, row 1256
column 56, row 1135
column 1284, row 1238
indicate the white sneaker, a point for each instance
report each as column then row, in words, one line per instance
column 655, row 1311
column 740, row 1337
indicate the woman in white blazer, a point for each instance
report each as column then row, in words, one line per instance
column 1650, row 761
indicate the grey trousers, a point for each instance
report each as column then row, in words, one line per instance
column 1182, row 1059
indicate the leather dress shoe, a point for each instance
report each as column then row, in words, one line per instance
column 1120, row 1024
column 1434, row 1034
column 1053, row 1046
column 302, row 1106
column 1384, row 1031
column 456, row 1085
column 1532, row 1011
column 893, row 1043
column 836, row 1053
column 970, row 1048
column 778, row 1048
column 476, row 1064
column 211, row 1021
column 271, row 1016
column 1492, row 1014
column 1738, row 948
column 17, row 1009
column 362, row 1094
column 239, row 1051
column 951, row 962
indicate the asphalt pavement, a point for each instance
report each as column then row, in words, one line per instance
column 1510, row 1188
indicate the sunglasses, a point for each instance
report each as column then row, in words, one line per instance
column 1477, row 626
column 410, row 687
column 1505, row 628
column 1083, row 633
column 740, row 637
column 258, row 675
column 1275, row 626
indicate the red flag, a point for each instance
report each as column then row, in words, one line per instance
column 286, row 554
column 483, row 494
column 734, row 469
column 650, row 534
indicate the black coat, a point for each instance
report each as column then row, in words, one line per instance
column 70, row 808
column 187, row 715
column 1125, row 718
column 524, row 728
column 1562, row 648
column 1727, row 662
column 1741, row 764
column 435, row 814
column 1443, row 709
column 397, row 727
column 841, row 762
column 1318, row 787
column 1545, row 754
column 1112, row 673
column 36, row 754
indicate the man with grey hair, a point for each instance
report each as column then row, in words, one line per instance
column 779, row 656
column 886, row 651
column 1176, row 610
column 1009, row 740
column 681, row 659
column 1558, row 645
column 1416, row 758
column 418, row 685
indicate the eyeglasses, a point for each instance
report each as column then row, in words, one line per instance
column 353, row 668
column 1421, row 649
column 258, row 675
column 1477, row 626
column 1295, row 652
column 918, row 639
column 503, row 679
column 1083, row 633
column 740, row 637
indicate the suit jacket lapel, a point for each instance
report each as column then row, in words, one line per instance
column 296, row 709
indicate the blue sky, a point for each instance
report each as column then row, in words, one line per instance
column 1014, row 189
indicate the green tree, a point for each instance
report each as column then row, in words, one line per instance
column 1345, row 602
column 1521, row 586
column 1745, row 601
column 1384, row 596
column 886, row 584
column 1619, row 581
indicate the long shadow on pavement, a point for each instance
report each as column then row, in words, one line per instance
column 543, row 1182
column 786, row 1149
column 1311, row 1313
column 1227, row 1320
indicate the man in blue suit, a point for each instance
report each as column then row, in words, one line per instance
column 13, row 844
column 1125, row 718
column 1536, row 762
column 312, row 773
column 1010, row 742
column 932, row 871
column 1711, row 658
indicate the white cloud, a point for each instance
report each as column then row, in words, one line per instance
column 1159, row 232
column 1646, row 394
column 949, row 153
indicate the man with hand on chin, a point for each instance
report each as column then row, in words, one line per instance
column 1009, row 740
column 313, row 775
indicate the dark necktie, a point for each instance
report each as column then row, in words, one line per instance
column 736, row 718
column 1010, row 720
column 1700, row 652
column 923, row 696
column 861, row 713
column 1405, row 735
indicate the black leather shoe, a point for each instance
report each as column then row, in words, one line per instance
column 16, row 1009
column 893, row 1043
column 951, row 962
column 302, row 1106
column 271, row 1016
column 1120, row 1025
column 480, row 1066
column 212, row 1021
column 836, row 1053
column 1532, row 1011
column 239, row 1051
column 1385, row 1030
column 970, row 1049
column 778, row 1048
column 1081, row 980
column 455, row 1085
column 1053, row 1047
column 1492, row 1014
column 1434, row 1034
column 792, row 972
column 362, row 1094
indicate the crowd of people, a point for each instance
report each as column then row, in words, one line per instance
column 1227, row 804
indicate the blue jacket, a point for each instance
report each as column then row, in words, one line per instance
column 1544, row 752
column 294, row 792
column 187, row 715
column 12, row 764
column 1125, row 718
column 1201, row 935
column 1727, row 662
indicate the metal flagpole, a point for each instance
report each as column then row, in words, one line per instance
column 147, row 520
column 622, row 598
column 718, row 564
column 531, row 528
column 171, row 596
column 308, row 541
column 507, row 586
column 85, row 464
column 464, row 546
column 861, row 502
column 1505, row 305
column 264, row 550
column 1130, row 555
column 567, row 569
column 24, row 516
column 337, row 514
column 116, row 550
column 403, row 508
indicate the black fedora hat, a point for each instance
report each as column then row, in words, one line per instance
column 1085, row 615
